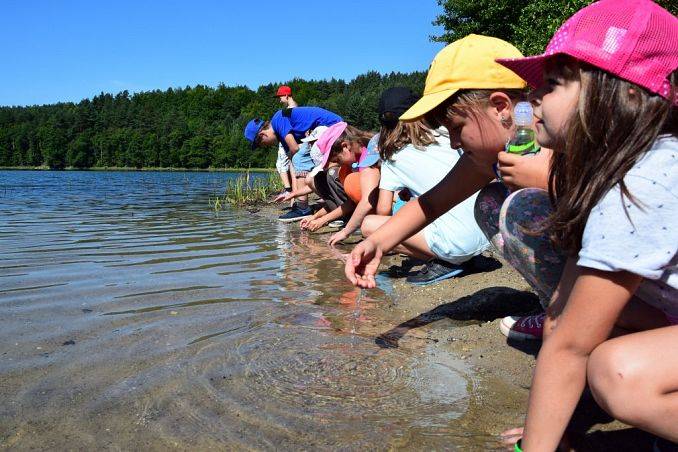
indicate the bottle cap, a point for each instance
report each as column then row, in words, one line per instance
column 523, row 114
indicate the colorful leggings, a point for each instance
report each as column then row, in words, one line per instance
column 507, row 220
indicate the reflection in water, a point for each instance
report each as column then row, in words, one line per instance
column 133, row 316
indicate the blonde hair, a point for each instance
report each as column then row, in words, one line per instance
column 392, row 139
column 470, row 101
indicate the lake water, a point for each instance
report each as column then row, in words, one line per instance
column 134, row 316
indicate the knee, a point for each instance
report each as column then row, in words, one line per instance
column 369, row 225
column 617, row 384
column 524, row 210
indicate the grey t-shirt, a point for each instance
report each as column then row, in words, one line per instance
column 645, row 245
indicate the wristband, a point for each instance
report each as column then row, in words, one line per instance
column 516, row 446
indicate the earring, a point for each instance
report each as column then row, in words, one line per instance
column 503, row 120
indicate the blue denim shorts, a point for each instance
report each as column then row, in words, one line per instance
column 302, row 161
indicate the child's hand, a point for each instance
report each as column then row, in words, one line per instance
column 521, row 171
column 312, row 224
column 284, row 197
column 363, row 263
column 510, row 437
column 337, row 237
column 304, row 222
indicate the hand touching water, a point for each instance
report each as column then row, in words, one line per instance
column 284, row 197
column 311, row 224
column 363, row 263
column 337, row 237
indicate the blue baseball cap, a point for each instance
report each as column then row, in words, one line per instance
column 252, row 129
column 371, row 155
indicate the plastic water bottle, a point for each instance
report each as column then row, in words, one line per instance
column 523, row 140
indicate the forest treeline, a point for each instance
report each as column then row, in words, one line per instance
column 192, row 127
column 201, row 127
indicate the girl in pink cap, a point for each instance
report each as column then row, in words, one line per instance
column 606, row 104
column 344, row 146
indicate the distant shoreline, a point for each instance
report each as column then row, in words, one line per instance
column 123, row 169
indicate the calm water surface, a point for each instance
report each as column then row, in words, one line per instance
column 132, row 315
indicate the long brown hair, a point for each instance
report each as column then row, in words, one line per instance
column 615, row 124
column 351, row 134
column 392, row 139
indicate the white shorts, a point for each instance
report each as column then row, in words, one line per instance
column 455, row 236
column 282, row 164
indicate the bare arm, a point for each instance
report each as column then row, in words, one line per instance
column 294, row 194
column 462, row 181
column 369, row 189
column 385, row 202
column 319, row 221
column 292, row 144
column 592, row 309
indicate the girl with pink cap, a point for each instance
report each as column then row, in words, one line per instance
column 605, row 102
column 346, row 146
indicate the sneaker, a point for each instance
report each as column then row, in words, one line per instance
column 435, row 270
column 528, row 328
column 295, row 214
column 336, row 224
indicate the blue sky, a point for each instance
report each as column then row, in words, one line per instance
column 67, row 50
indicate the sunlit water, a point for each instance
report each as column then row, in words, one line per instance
column 134, row 316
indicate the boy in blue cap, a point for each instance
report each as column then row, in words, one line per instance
column 288, row 127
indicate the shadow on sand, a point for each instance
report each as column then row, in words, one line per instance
column 496, row 302
column 485, row 305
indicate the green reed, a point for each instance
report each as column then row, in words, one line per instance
column 247, row 191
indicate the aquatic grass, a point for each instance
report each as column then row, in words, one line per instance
column 246, row 190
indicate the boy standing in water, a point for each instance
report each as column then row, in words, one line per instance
column 282, row 164
column 288, row 127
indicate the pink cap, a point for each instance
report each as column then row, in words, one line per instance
column 328, row 138
column 636, row 40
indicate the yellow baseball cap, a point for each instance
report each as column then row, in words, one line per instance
column 468, row 63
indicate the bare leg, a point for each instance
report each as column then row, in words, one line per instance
column 635, row 379
column 285, row 178
column 293, row 180
column 311, row 183
column 301, row 184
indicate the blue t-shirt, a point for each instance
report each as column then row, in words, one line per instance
column 299, row 120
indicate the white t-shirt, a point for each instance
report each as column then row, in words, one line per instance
column 646, row 241
column 419, row 170
column 454, row 236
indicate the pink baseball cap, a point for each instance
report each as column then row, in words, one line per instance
column 328, row 138
column 636, row 40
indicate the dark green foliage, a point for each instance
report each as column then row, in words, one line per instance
column 198, row 127
column 527, row 24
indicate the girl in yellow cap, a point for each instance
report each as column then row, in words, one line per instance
column 473, row 97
